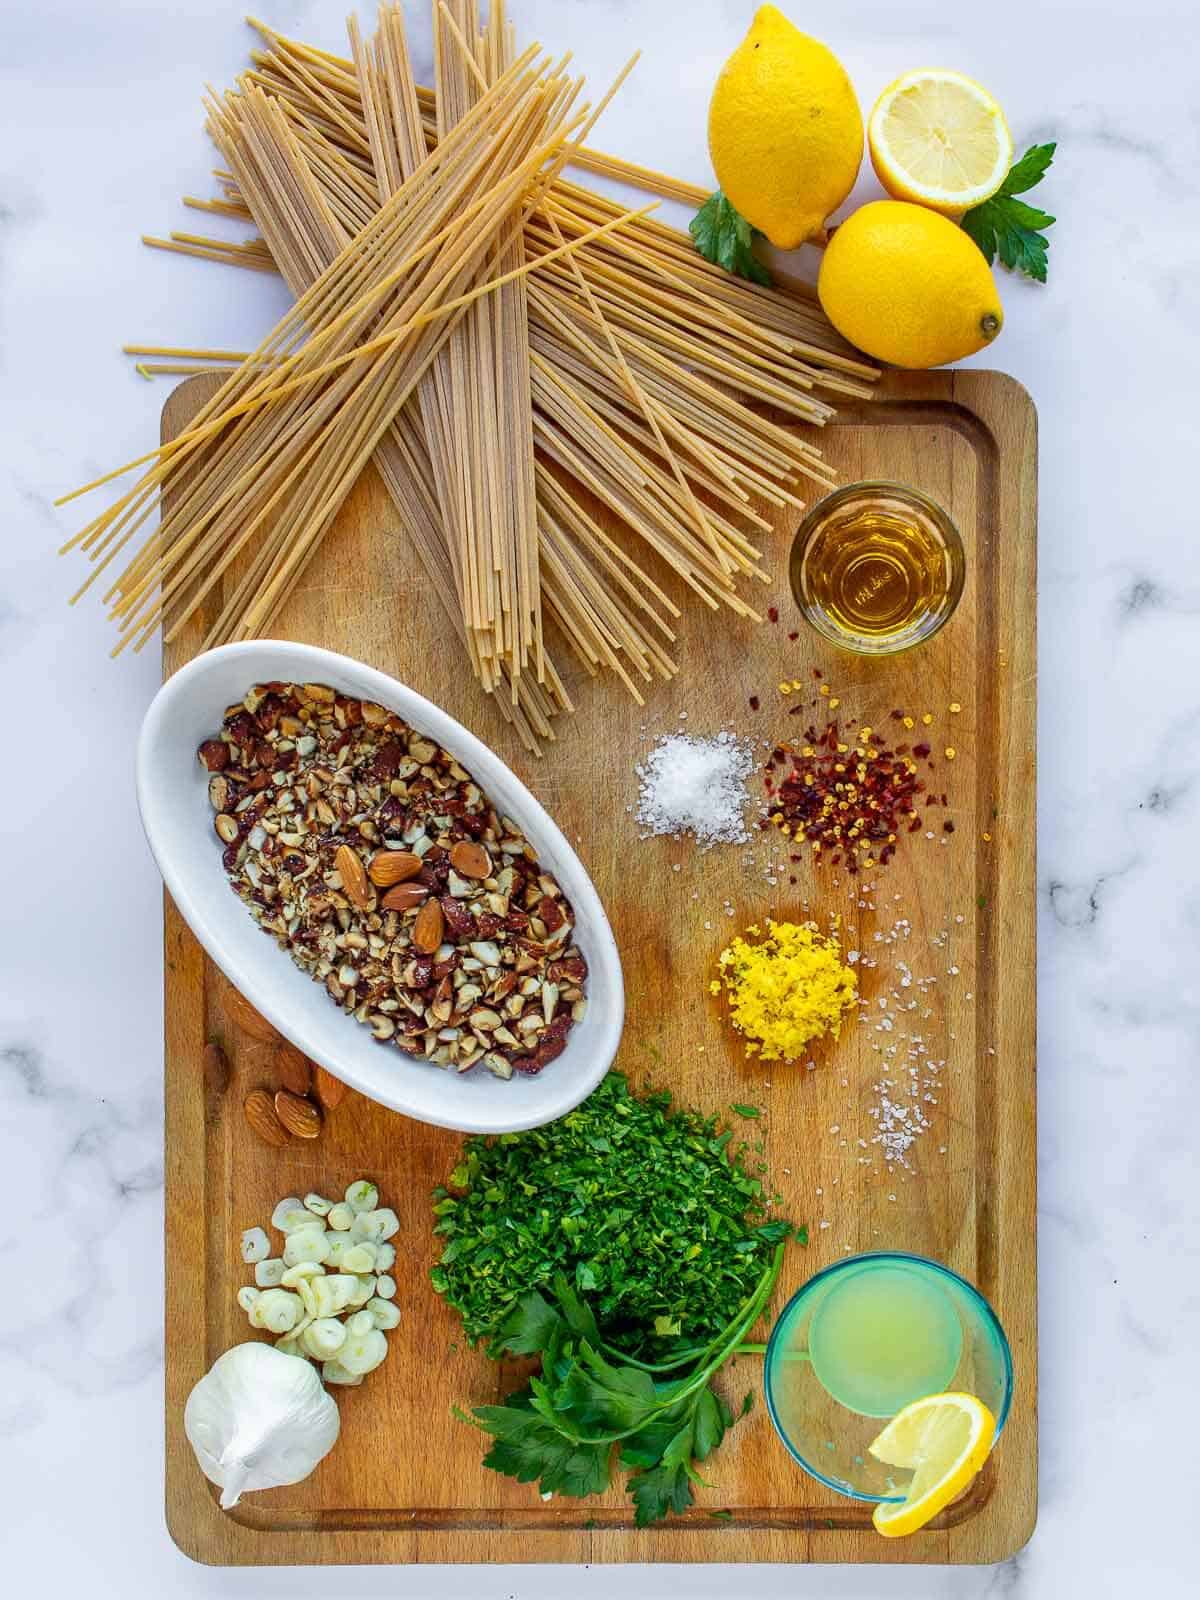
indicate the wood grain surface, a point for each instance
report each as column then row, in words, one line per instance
column 405, row 1483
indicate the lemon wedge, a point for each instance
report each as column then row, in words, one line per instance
column 938, row 138
column 944, row 1441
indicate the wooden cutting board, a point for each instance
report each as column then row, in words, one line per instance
column 405, row 1483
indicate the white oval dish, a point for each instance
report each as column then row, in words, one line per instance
column 172, row 790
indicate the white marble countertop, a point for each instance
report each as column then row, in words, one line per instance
column 102, row 134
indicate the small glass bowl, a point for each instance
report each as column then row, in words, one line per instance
column 870, row 538
column 827, row 1437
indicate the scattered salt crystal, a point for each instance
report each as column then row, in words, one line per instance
column 696, row 786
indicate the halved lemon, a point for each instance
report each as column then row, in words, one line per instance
column 939, row 139
column 944, row 1441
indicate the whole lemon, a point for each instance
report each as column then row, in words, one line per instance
column 784, row 130
column 908, row 286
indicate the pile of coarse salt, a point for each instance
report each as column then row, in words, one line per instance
column 697, row 786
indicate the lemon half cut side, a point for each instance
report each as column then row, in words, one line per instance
column 943, row 1441
column 939, row 138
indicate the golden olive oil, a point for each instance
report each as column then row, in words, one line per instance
column 876, row 568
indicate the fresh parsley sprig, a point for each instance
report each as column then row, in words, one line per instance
column 562, row 1429
column 1009, row 227
column 724, row 237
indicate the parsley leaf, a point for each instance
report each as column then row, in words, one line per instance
column 659, row 1491
column 527, row 1329
column 1010, row 228
column 746, row 1111
column 724, row 237
column 1023, row 175
column 561, row 1428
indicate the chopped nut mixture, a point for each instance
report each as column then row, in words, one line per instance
column 378, row 863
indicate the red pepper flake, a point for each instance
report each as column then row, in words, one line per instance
column 947, row 826
column 920, row 751
column 773, row 613
column 754, row 702
column 793, row 637
column 843, row 804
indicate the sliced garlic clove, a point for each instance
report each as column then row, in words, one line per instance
column 365, row 1288
column 359, row 1258
column 278, row 1310
column 362, row 1195
column 290, row 1214
column 334, row 1372
column 324, row 1338
column 294, row 1276
column 255, row 1246
column 269, row 1274
column 306, row 1244
column 386, row 1314
column 363, row 1352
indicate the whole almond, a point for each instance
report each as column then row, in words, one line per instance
column 216, row 1069
column 471, row 860
column 226, row 826
column 393, row 866
column 354, row 879
column 330, row 1091
column 298, row 1115
column 405, row 896
column 262, row 1117
column 292, row 1067
column 428, row 928
column 243, row 1015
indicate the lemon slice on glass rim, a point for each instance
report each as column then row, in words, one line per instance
column 938, row 138
column 944, row 1441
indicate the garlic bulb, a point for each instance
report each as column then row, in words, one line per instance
column 259, row 1419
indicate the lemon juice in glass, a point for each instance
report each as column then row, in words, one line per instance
column 862, row 1340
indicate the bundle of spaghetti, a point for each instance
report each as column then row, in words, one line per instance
column 320, row 93
column 631, row 372
column 305, row 235
column 716, row 297
column 263, row 469
column 630, row 478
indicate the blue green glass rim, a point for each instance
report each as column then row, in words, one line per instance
column 781, row 1322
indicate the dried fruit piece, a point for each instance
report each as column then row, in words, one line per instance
column 471, row 860
column 428, row 928
column 393, row 866
column 330, row 1091
column 292, row 1067
column 243, row 1015
column 214, row 755
column 405, row 896
column 298, row 1115
column 263, row 1119
column 354, row 879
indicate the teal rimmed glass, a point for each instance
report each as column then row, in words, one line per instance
column 815, row 1405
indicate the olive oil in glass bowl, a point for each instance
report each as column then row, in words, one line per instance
column 877, row 568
